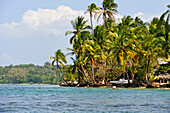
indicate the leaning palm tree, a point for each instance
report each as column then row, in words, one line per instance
column 92, row 9
column 108, row 10
column 58, row 59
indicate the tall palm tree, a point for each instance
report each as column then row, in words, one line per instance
column 59, row 58
column 133, row 55
column 80, row 34
column 92, row 9
column 91, row 56
column 149, row 48
column 108, row 10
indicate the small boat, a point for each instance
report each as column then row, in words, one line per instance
column 120, row 81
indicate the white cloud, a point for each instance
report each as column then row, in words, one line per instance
column 43, row 21
column 37, row 36
column 50, row 22
column 49, row 16
column 138, row 14
column 9, row 59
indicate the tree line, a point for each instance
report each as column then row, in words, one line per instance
column 34, row 74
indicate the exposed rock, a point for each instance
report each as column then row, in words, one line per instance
column 166, row 86
column 149, row 86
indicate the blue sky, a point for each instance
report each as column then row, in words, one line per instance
column 32, row 30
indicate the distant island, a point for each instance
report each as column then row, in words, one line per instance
column 32, row 74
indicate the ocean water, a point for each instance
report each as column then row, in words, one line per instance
column 55, row 99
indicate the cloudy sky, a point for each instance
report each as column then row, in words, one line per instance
column 32, row 30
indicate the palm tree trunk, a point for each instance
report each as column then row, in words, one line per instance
column 58, row 73
column 93, row 73
column 79, row 73
column 82, row 72
column 91, row 22
column 63, row 75
column 127, row 74
column 146, row 76
column 112, row 72
column 93, row 70
column 104, row 19
column 133, row 73
column 124, row 75
column 104, row 72
column 146, row 72
column 89, row 73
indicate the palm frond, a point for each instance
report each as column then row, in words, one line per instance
column 53, row 62
column 68, row 32
column 99, row 17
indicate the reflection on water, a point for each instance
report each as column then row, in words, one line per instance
column 52, row 98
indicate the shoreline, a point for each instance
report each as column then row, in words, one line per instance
column 125, row 87
column 105, row 87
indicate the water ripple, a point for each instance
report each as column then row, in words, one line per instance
column 49, row 98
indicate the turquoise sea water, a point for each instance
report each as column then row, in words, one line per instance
column 51, row 98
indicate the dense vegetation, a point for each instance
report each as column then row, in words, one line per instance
column 129, row 48
column 31, row 74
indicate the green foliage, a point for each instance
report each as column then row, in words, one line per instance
column 130, row 48
column 71, row 77
column 29, row 73
column 153, row 78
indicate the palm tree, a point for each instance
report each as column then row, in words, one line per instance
column 80, row 35
column 79, row 26
column 108, row 10
column 166, row 28
column 58, row 59
column 149, row 48
column 91, row 56
column 92, row 9
column 166, row 22
column 133, row 55
column 121, row 43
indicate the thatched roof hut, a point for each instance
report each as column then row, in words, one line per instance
column 164, row 76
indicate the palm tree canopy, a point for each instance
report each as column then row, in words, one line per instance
column 92, row 8
column 108, row 10
column 168, row 6
column 59, row 58
column 109, row 5
column 79, row 25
